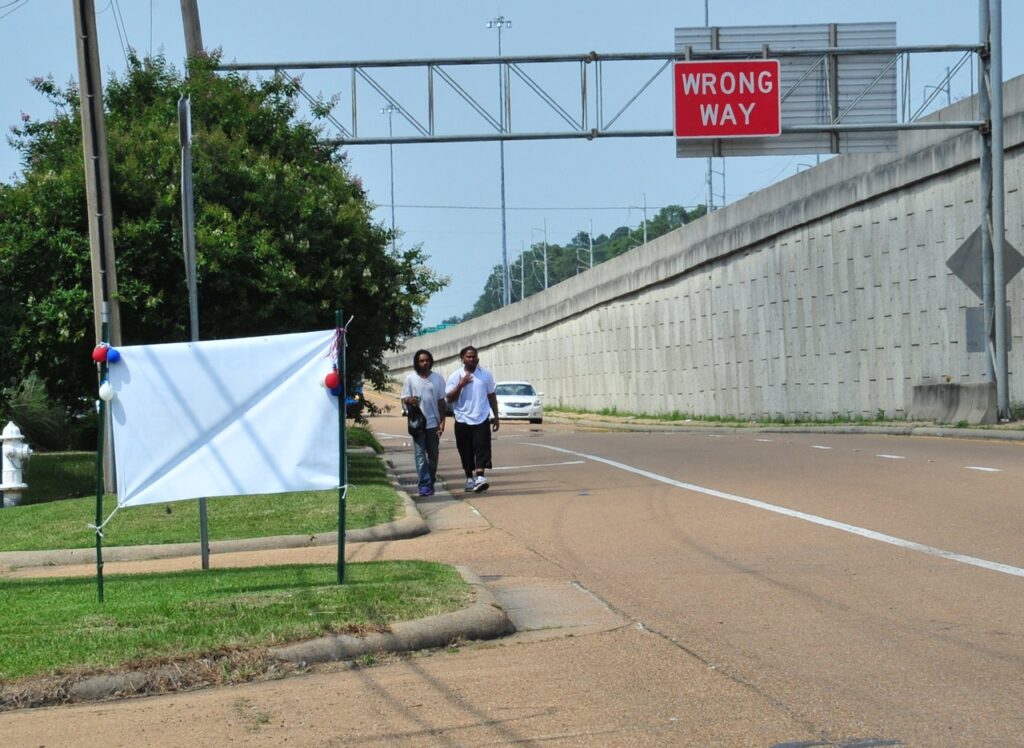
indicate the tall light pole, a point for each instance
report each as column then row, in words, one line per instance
column 645, row 218
column 590, row 241
column 500, row 23
column 389, row 110
column 545, row 230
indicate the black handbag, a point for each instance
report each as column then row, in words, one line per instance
column 417, row 420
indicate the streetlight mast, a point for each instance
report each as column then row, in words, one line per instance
column 501, row 23
column 389, row 110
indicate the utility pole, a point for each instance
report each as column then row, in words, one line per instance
column 193, row 31
column 97, row 173
column 590, row 241
column 545, row 245
column 545, row 253
column 645, row 218
column 97, row 192
column 522, row 271
column 193, row 48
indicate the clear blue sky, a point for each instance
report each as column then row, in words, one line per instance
column 447, row 196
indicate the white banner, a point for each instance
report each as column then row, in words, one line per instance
column 224, row 418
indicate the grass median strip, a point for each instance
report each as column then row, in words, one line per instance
column 371, row 500
column 56, row 626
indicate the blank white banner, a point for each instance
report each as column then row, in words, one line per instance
column 223, row 418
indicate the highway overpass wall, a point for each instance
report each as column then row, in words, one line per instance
column 826, row 294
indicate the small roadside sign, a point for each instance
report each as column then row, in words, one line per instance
column 727, row 99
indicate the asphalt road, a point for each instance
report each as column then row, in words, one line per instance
column 871, row 586
column 735, row 589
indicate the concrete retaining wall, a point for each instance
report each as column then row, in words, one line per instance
column 825, row 294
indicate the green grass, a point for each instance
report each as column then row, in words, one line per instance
column 52, row 476
column 371, row 500
column 360, row 436
column 55, row 626
column 775, row 419
column 879, row 418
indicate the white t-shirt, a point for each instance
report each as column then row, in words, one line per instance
column 429, row 390
column 472, row 405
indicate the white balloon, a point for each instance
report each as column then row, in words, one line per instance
column 106, row 392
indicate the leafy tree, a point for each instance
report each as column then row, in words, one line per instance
column 283, row 230
column 527, row 271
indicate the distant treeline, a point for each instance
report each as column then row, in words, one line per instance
column 565, row 260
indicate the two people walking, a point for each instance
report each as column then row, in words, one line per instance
column 469, row 394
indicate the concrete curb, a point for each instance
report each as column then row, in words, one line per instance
column 939, row 431
column 482, row 620
column 409, row 526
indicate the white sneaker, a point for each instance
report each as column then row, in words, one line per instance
column 480, row 484
column 470, row 484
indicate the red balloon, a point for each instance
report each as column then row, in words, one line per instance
column 332, row 380
column 99, row 353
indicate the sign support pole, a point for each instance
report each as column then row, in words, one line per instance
column 341, row 343
column 998, row 211
column 101, row 428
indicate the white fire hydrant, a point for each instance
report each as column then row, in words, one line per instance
column 15, row 453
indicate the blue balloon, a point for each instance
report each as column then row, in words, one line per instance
column 113, row 356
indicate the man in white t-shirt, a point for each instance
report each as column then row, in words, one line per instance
column 470, row 394
column 425, row 389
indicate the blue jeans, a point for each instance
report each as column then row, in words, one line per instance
column 426, row 445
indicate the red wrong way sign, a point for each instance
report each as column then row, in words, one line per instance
column 727, row 99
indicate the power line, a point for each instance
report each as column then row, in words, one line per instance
column 19, row 4
column 118, row 24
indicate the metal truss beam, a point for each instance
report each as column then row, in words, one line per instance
column 577, row 109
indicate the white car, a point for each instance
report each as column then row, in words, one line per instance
column 519, row 401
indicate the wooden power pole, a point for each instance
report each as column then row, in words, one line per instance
column 97, row 191
column 193, row 31
column 97, row 174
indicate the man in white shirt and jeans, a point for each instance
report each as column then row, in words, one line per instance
column 425, row 389
column 470, row 393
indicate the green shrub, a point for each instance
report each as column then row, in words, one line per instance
column 46, row 427
column 59, row 475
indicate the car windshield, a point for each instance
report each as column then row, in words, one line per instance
column 515, row 390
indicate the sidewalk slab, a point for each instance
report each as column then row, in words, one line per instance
column 548, row 609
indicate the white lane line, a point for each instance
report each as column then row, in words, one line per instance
column 891, row 457
column 812, row 518
column 983, row 469
column 762, row 440
column 543, row 464
column 819, row 446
